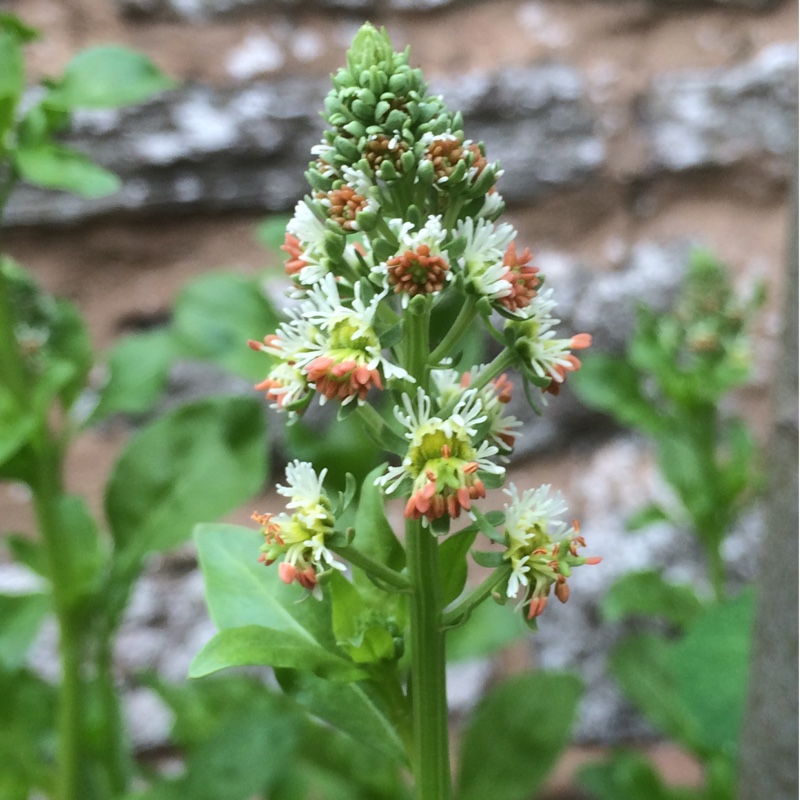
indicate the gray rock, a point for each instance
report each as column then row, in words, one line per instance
column 248, row 147
column 720, row 117
column 196, row 10
column 535, row 120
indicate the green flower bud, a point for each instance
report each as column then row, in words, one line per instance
column 388, row 171
column 426, row 174
column 362, row 111
column 398, row 83
column 367, row 221
column 355, row 128
column 396, row 120
column 334, row 245
column 407, row 161
column 346, row 148
column 369, row 47
column 317, row 180
column 381, row 110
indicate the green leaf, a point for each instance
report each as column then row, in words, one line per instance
column 515, row 736
column 489, row 558
column 194, row 463
column 27, row 734
column 374, row 534
column 138, row 371
column 611, row 384
column 12, row 76
column 214, row 317
column 16, row 425
column 242, row 591
column 56, row 167
column 347, row 707
column 239, row 738
column 365, row 643
column 711, row 665
column 693, row 688
column 272, row 232
column 107, row 77
column 27, row 551
column 491, row 627
column 649, row 515
column 21, row 617
column 648, row 593
column 84, row 552
column 629, row 776
column 453, row 564
column 254, row 645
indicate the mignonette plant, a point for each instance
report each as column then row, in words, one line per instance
column 402, row 218
column 689, row 675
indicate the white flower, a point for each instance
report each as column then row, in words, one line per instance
column 492, row 205
column 307, row 227
column 482, row 259
column 534, row 513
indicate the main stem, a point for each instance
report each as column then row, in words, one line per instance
column 428, row 682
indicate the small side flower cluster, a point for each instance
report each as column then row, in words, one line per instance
column 540, row 548
column 299, row 539
column 446, row 460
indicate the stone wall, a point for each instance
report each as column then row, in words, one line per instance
column 627, row 130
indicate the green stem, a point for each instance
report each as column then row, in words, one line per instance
column 369, row 565
column 460, row 326
column 114, row 751
column 716, row 571
column 383, row 433
column 46, row 492
column 505, row 360
column 428, row 682
column 460, row 613
column 417, row 345
column 11, row 367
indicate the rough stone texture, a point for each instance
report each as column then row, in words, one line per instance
column 719, row 117
column 247, row 148
column 196, row 10
column 193, row 148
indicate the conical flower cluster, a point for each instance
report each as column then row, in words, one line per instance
column 401, row 227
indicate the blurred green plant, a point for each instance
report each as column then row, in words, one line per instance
column 199, row 460
column 690, row 679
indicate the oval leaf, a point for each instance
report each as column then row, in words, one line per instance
column 515, row 736
column 254, row 645
column 57, row 167
column 107, row 77
column 196, row 462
